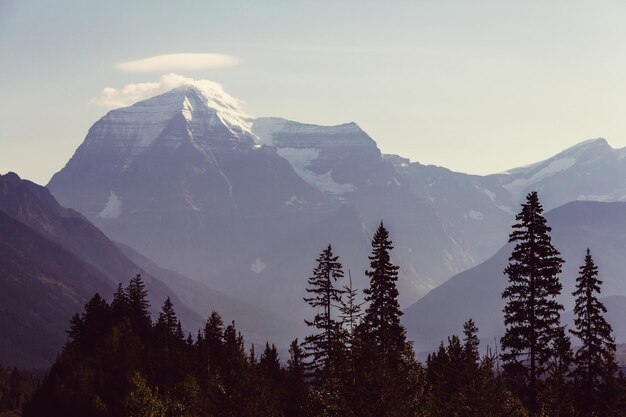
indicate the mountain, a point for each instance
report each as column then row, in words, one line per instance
column 41, row 286
column 256, row 324
column 244, row 205
column 53, row 261
column 34, row 206
column 482, row 208
column 189, row 180
column 476, row 293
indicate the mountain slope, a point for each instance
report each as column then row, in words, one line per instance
column 476, row 293
column 222, row 202
column 481, row 208
column 256, row 324
column 41, row 286
column 34, row 206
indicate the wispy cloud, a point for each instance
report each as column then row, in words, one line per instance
column 131, row 93
column 179, row 62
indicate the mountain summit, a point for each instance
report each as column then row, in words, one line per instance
column 246, row 204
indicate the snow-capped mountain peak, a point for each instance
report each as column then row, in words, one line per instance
column 197, row 100
column 211, row 95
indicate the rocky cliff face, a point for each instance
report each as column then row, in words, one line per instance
column 205, row 190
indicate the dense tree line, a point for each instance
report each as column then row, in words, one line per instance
column 356, row 360
column 16, row 388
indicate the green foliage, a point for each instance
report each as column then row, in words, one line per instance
column 142, row 400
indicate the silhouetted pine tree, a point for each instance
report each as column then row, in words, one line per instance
column 382, row 316
column 595, row 359
column 296, row 389
column 322, row 347
column 271, row 381
column 389, row 377
column 119, row 305
column 470, row 341
column 461, row 383
column 138, row 305
column 167, row 318
column 531, row 314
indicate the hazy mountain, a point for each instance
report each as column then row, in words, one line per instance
column 53, row 261
column 41, row 286
column 246, row 204
column 189, row 180
column 476, row 293
column 482, row 208
column 34, row 206
column 257, row 325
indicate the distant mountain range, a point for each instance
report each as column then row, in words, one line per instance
column 477, row 292
column 187, row 182
column 246, row 205
column 54, row 260
column 188, row 179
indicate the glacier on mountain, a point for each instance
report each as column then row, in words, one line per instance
column 300, row 159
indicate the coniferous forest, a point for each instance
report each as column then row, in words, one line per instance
column 356, row 360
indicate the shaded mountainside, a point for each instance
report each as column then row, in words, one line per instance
column 41, row 286
column 476, row 293
column 52, row 260
column 259, row 325
column 34, row 206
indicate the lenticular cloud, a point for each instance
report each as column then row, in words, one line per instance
column 179, row 62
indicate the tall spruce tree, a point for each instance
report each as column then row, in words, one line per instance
column 389, row 379
column 382, row 316
column 322, row 346
column 296, row 387
column 595, row 359
column 138, row 305
column 532, row 313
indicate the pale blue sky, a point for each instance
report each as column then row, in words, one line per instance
column 476, row 86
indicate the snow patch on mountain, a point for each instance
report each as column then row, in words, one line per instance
column 258, row 266
column 301, row 158
column 112, row 209
column 474, row 215
column 554, row 167
column 595, row 197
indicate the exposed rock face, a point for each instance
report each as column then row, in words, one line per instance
column 227, row 199
column 246, row 205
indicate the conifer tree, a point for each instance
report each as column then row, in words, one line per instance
column 595, row 358
column 532, row 313
column 382, row 316
column 167, row 318
column 556, row 396
column 471, row 341
column 138, row 305
column 119, row 305
column 322, row 347
column 296, row 386
column 389, row 379
column 350, row 309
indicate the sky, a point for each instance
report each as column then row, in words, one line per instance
column 475, row 86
